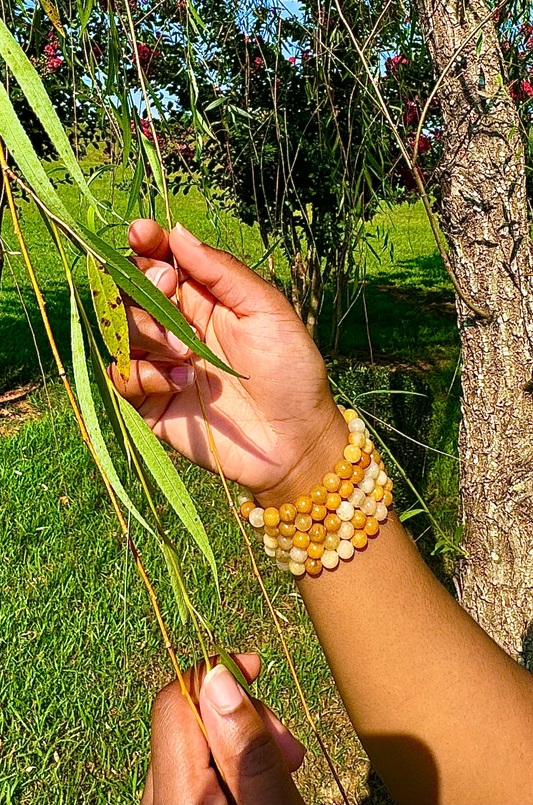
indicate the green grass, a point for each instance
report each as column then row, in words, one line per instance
column 81, row 654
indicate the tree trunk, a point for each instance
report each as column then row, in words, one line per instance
column 484, row 218
column 307, row 289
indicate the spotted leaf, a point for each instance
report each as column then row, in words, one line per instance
column 110, row 314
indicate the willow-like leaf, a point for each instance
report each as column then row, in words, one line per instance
column 173, row 568
column 31, row 85
column 135, row 188
column 86, row 402
column 53, row 15
column 228, row 662
column 110, row 314
column 151, row 153
column 167, row 478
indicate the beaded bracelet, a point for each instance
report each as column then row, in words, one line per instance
column 336, row 518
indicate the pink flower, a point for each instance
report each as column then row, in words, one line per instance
column 392, row 64
column 529, row 43
column 53, row 64
column 407, row 179
column 411, row 116
column 292, row 60
column 522, row 92
column 50, row 50
column 147, row 57
column 186, row 151
column 258, row 62
column 424, row 144
column 527, row 29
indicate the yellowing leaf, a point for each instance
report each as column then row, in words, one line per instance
column 110, row 314
column 53, row 15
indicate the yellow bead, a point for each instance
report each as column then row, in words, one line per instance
column 332, row 522
column 358, row 519
column 283, row 556
column 318, row 494
column 287, row 529
column 304, row 504
column 331, row 542
column 352, row 453
column 317, row 533
column 318, row 512
column 315, row 551
column 343, row 469
column 381, row 465
column 359, row 540
column 287, row 512
column 346, row 489
column 387, row 499
column 301, row 540
column 369, row 446
column 356, row 438
column 331, row 481
column 349, row 414
column 334, row 501
column 365, row 460
column 272, row 532
column 389, row 486
column 371, row 526
column 377, row 492
column 376, row 456
column 313, row 566
column 271, row 517
column 303, row 522
column 285, row 543
column 358, row 475
column 246, row 508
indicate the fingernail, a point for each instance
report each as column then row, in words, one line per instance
column 178, row 346
column 222, row 691
column 154, row 275
column 133, row 224
column 187, row 235
column 182, row 375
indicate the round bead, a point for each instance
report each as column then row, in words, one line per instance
column 318, row 494
column 387, row 499
column 376, row 456
column 357, row 438
column 304, row 504
column 297, row 568
column 332, row 522
column 303, row 522
column 343, row 469
column 357, row 497
column 358, row 519
column 389, row 486
column 271, row 552
column 367, row 485
column 244, row 497
column 315, row 550
column 345, row 549
column 346, row 489
column 345, row 511
column 368, row 506
column 272, row 532
column 381, row 512
column 298, row 555
column 382, row 478
column 377, row 492
column 356, row 425
column 331, row 481
column 352, row 454
column 287, row 512
column 313, row 566
column 287, row 529
column 373, row 470
column 318, row 512
column 358, row 475
column 365, row 460
column 359, row 540
column 317, row 532
column 301, row 540
column 345, row 531
column 285, row 543
column 349, row 414
column 271, row 517
column 334, row 501
column 331, row 542
column 368, row 446
column 381, row 465
column 246, row 507
column 342, row 408
column 330, row 559
column 282, row 565
column 256, row 517
column 371, row 526
column 282, row 556
column 270, row 542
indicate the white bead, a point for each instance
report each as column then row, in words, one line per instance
column 256, row 517
column 298, row 555
column 346, row 531
column 282, row 565
column 372, row 470
column 244, row 496
column 356, row 425
column 357, row 497
column 330, row 559
column 358, row 439
column 382, row 478
column 270, row 542
column 367, row 485
column 368, row 506
column 296, row 568
column 270, row 552
column 345, row 511
column 345, row 549
column 285, row 543
column 369, row 446
column 381, row 512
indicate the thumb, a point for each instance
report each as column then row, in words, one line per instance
column 230, row 281
column 243, row 747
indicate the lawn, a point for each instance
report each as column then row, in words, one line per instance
column 82, row 657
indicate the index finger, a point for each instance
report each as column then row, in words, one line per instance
column 148, row 239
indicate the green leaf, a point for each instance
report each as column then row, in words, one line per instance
column 173, row 568
column 228, row 662
column 110, row 314
column 411, row 513
column 135, row 187
column 151, row 153
column 167, row 478
column 36, row 95
column 90, row 417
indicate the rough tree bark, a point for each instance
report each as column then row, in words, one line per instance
column 484, row 218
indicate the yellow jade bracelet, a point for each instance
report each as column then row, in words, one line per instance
column 335, row 518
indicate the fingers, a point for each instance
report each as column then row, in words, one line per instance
column 242, row 745
column 148, row 239
column 152, row 377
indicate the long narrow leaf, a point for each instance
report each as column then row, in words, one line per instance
column 174, row 571
column 110, row 314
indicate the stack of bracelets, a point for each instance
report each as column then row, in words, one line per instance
column 335, row 518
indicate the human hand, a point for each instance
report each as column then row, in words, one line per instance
column 277, row 429
column 253, row 749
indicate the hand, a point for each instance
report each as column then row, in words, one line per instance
column 253, row 750
column 278, row 429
